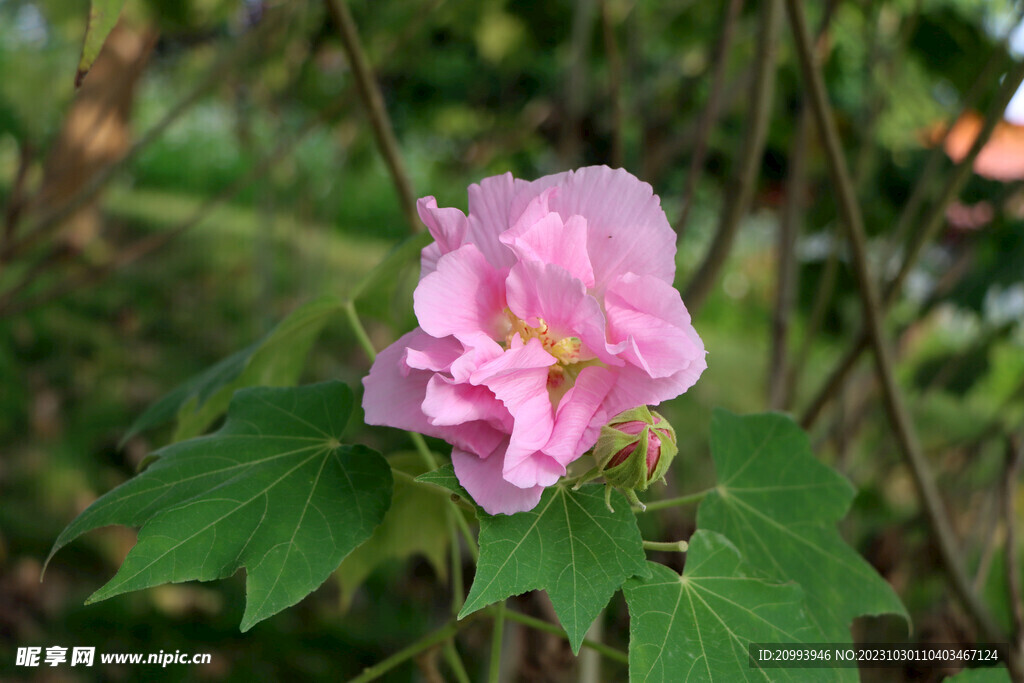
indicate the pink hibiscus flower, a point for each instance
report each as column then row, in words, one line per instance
column 544, row 313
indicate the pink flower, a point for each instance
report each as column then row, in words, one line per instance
column 546, row 311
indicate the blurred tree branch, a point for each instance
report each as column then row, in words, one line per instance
column 929, row 227
column 895, row 409
column 1011, row 480
column 740, row 189
column 380, row 122
column 709, row 117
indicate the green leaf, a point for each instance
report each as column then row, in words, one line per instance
column 273, row 491
column 444, row 476
column 779, row 506
column 570, row 545
column 103, row 16
column 696, row 627
column 416, row 523
column 275, row 360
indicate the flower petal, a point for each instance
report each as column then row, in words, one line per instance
column 437, row 355
column 483, row 481
column 464, row 296
column 394, row 395
column 548, row 239
column 627, row 228
column 580, row 415
column 489, row 216
column 543, row 290
column 519, row 379
column 449, row 403
column 449, row 228
column 649, row 314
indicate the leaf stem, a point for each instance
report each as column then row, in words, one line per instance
column 674, row 502
column 497, row 635
column 426, row 642
column 458, row 594
column 541, row 625
column 667, row 546
column 451, row 655
column 359, row 330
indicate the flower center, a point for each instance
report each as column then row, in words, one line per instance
column 567, row 351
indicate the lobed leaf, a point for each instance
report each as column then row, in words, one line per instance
column 570, row 545
column 779, row 505
column 273, row 491
column 697, row 627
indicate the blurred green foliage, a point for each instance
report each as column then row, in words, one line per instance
column 474, row 89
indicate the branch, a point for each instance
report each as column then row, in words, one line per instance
column 425, row 643
column 53, row 219
column 896, row 411
column 740, row 189
column 541, row 625
column 147, row 245
column 929, row 227
column 788, row 273
column 711, row 110
column 369, row 93
column 1014, row 458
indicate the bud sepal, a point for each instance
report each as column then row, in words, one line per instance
column 633, row 450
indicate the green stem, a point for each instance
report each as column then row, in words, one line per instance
column 417, row 439
column 428, row 458
column 497, row 635
column 451, row 655
column 674, row 502
column 540, row 625
column 425, row 643
column 359, row 330
column 458, row 597
column 667, row 546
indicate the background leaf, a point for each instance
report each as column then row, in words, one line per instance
column 696, row 627
column 414, row 524
column 275, row 360
column 103, row 16
column 570, row 545
column 779, row 505
column 273, row 491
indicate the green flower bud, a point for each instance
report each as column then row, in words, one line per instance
column 634, row 449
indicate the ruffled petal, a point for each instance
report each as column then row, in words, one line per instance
column 526, row 468
column 489, row 216
column 634, row 387
column 394, row 395
column 550, row 240
column 649, row 314
column 483, row 481
column 393, row 392
column 449, row 403
column 543, row 290
column 627, row 228
column 580, row 415
column 449, row 228
column 463, row 297
column 519, row 379
column 437, row 355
